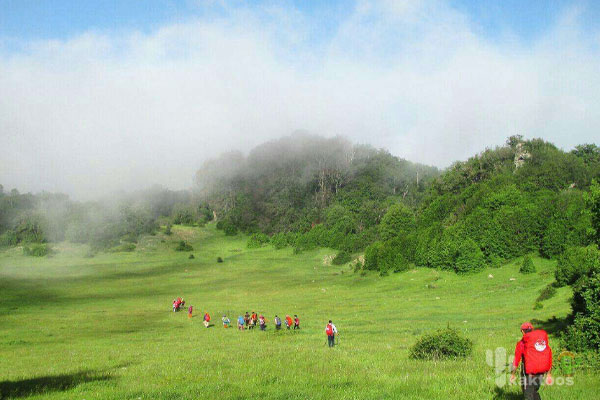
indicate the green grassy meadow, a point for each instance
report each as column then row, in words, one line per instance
column 74, row 327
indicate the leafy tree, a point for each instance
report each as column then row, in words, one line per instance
column 399, row 221
column 593, row 202
column 575, row 263
column 470, row 258
column 527, row 266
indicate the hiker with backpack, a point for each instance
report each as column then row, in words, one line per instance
column 536, row 356
column 206, row 319
column 331, row 331
column 262, row 322
column 277, row 323
column 226, row 321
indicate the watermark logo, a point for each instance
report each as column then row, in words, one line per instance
column 563, row 369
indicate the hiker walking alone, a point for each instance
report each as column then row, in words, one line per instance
column 277, row 323
column 296, row 322
column 536, row 356
column 190, row 311
column 206, row 319
column 331, row 331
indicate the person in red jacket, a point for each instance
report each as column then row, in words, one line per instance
column 536, row 357
column 296, row 322
column 207, row 319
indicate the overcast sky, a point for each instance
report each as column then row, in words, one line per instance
column 102, row 97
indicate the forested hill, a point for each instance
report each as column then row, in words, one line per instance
column 299, row 181
column 306, row 191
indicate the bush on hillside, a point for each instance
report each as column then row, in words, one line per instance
column 341, row 258
column 470, row 258
column 575, row 263
column 495, row 261
column 257, row 240
column 385, row 257
column 443, row 344
column 527, row 266
column 547, row 293
column 584, row 333
column 219, row 260
column 230, row 229
column 124, row 247
column 191, row 257
column 37, row 250
column 184, row 246
column 8, row 239
column 168, row 230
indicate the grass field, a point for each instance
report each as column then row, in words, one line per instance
column 73, row 327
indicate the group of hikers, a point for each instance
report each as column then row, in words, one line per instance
column 533, row 351
column 250, row 321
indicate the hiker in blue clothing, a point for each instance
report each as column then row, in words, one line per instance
column 241, row 323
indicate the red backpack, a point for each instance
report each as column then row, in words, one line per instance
column 538, row 354
column 329, row 330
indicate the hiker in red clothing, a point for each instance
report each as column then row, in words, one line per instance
column 536, row 356
column 254, row 318
column 288, row 321
column 330, row 331
column 206, row 319
column 190, row 311
column 296, row 322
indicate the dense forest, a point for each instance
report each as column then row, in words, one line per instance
column 304, row 191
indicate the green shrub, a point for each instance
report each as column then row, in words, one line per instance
column 230, row 229
column 37, row 250
column 538, row 306
column 470, row 258
column 168, row 229
column 219, row 260
column 527, row 266
column 442, row 344
column 575, row 263
column 191, row 257
column 495, row 261
column 341, row 258
column 280, row 240
column 8, row 239
column 546, row 293
column 257, row 240
column 184, row 246
column 385, row 257
column 125, row 247
column 584, row 333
